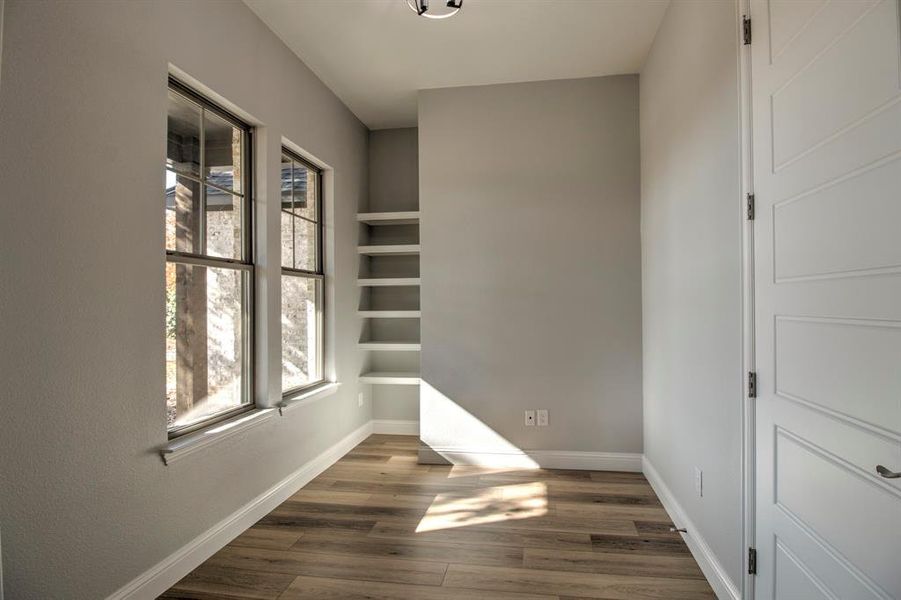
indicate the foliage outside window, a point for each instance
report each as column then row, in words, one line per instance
column 209, row 270
column 302, row 274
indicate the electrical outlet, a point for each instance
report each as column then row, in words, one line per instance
column 699, row 482
column 530, row 418
column 542, row 417
column 360, row 399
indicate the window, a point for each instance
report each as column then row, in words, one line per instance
column 302, row 274
column 209, row 269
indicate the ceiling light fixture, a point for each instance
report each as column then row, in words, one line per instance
column 421, row 8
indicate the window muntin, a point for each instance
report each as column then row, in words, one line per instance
column 209, row 270
column 302, row 314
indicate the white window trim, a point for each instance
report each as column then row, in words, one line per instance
column 190, row 443
column 213, row 433
column 309, row 396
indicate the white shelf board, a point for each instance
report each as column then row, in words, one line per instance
column 389, row 218
column 390, row 378
column 385, row 281
column 389, row 250
column 390, row 346
column 389, row 314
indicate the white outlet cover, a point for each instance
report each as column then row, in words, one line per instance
column 360, row 399
column 699, row 482
column 542, row 417
column 530, row 418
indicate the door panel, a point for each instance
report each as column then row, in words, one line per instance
column 820, row 565
column 820, row 491
column 788, row 20
column 817, row 233
column 826, row 81
column 854, row 444
column 831, row 92
column 795, row 579
column 844, row 366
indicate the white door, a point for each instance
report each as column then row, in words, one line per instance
column 826, row 81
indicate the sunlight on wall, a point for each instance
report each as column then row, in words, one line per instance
column 461, row 438
column 489, row 505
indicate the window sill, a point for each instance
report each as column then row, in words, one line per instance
column 308, row 396
column 192, row 442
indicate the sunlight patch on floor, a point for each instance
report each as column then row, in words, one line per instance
column 484, row 506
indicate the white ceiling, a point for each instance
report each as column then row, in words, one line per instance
column 375, row 54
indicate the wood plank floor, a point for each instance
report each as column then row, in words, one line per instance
column 377, row 525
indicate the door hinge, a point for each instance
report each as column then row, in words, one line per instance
column 750, row 202
column 752, row 384
column 752, row 561
column 746, row 29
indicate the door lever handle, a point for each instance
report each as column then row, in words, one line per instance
column 886, row 473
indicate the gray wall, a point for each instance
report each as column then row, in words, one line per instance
column 85, row 502
column 394, row 170
column 531, row 278
column 394, row 186
column 691, row 259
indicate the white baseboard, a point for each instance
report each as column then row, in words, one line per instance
column 166, row 573
column 395, row 427
column 588, row 461
column 547, row 459
column 713, row 570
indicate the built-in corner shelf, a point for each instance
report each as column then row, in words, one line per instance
column 390, row 378
column 391, row 346
column 389, row 314
column 389, row 218
column 389, row 250
column 386, row 281
column 386, row 331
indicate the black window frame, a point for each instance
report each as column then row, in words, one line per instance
column 318, row 273
column 244, row 264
